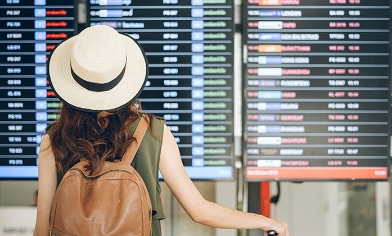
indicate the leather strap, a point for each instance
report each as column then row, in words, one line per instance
column 141, row 129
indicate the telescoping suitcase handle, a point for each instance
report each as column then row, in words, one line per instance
column 272, row 233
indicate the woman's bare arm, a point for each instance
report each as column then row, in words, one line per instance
column 47, row 180
column 198, row 208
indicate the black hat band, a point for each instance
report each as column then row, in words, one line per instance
column 97, row 87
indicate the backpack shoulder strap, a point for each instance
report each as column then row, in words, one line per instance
column 138, row 135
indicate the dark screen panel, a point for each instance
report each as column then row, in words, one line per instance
column 317, row 89
column 189, row 46
column 29, row 30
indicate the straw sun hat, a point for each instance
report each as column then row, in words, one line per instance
column 98, row 70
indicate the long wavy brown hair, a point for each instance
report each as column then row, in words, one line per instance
column 98, row 137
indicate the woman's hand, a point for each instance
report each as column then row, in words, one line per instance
column 278, row 227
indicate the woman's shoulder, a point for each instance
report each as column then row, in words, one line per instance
column 45, row 141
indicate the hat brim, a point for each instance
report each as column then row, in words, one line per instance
column 73, row 94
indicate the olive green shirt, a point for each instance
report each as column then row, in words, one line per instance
column 146, row 163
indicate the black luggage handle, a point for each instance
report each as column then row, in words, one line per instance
column 272, row 233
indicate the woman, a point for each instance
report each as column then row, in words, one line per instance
column 97, row 75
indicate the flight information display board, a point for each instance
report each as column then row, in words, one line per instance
column 317, row 89
column 189, row 46
column 29, row 30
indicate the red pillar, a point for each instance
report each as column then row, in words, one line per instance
column 265, row 199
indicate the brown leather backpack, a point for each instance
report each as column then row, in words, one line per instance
column 113, row 202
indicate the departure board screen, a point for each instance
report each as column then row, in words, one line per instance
column 189, row 46
column 317, row 89
column 29, row 30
